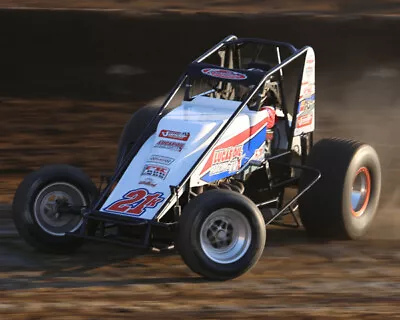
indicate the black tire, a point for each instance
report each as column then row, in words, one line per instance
column 195, row 215
column 135, row 127
column 326, row 209
column 32, row 227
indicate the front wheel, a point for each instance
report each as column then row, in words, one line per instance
column 35, row 207
column 222, row 234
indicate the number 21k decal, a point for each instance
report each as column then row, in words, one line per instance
column 136, row 202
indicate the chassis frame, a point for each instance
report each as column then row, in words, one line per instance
column 93, row 213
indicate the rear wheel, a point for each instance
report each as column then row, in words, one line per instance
column 343, row 203
column 36, row 202
column 222, row 234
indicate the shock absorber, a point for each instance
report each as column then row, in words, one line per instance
column 233, row 185
column 237, row 186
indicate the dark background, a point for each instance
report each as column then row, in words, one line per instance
column 62, row 103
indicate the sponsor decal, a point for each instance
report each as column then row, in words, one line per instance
column 171, row 145
column 304, row 120
column 136, row 202
column 306, row 105
column 155, row 171
column 227, row 160
column 259, row 153
column 161, row 159
column 307, row 90
column 309, row 71
column 310, row 61
column 240, row 142
column 224, row 74
column 176, row 135
column 309, row 75
column 148, row 182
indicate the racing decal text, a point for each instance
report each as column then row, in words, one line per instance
column 161, row 159
column 259, row 153
column 227, row 159
column 155, row 171
column 136, row 202
column 148, row 182
column 306, row 105
column 305, row 120
column 176, row 135
column 308, row 90
column 224, row 74
column 172, row 145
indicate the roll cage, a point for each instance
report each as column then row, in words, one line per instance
column 228, row 51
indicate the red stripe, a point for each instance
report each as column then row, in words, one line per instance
column 234, row 141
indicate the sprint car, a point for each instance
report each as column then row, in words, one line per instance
column 208, row 170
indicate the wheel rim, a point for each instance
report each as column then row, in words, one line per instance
column 45, row 208
column 361, row 192
column 225, row 236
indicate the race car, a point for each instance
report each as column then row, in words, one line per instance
column 208, row 170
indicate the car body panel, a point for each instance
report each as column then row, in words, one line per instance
column 180, row 140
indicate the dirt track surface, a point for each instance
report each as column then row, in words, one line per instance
column 294, row 279
column 61, row 105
